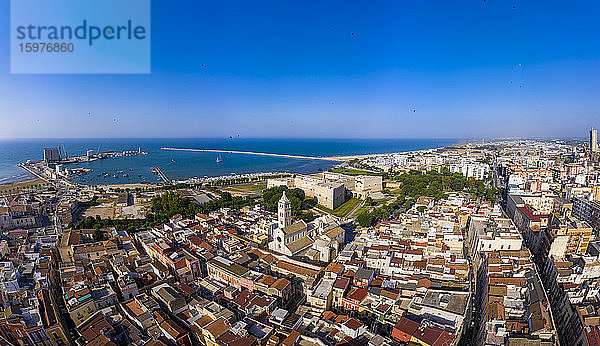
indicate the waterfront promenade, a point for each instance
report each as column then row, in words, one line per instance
column 255, row 153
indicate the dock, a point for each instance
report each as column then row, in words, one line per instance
column 160, row 174
column 255, row 153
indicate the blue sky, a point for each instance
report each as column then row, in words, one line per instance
column 498, row 68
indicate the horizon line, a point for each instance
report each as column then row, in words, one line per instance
column 313, row 138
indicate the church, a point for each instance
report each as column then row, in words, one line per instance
column 318, row 240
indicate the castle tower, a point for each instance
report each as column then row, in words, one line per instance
column 284, row 215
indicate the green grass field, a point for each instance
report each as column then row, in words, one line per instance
column 249, row 188
column 343, row 209
column 363, row 209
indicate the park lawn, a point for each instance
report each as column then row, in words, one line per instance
column 395, row 192
column 250, row 188
column 347, row 207
column 382, row 201
column 352, row 171
column 24, row 185
column 363, row 209
column 343, row 209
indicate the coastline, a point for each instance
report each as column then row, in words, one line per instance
column 339, row 159
column 252, row 153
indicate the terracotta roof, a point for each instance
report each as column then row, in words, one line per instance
column 353, row 324
column 267, row 280
column 357, row 294
column 299, row 245
column 495, row 311
column 348, row 341
column 291, row 339
column 328, row 315
column 173, row 329
column 407, row 326
column 134, row 307
column 497, row 291
column 334, row 267
column 295, row 227
column 100, row 340
column 341, row 283
column 97, row 326
column 445, row 339
column 296, row 269
column 204, row 320
column 389, row 294
column 217, row 327
column 231, row 339
column 428, row 335
column 280, row 284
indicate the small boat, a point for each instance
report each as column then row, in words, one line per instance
column 126, row 174
column 219, row 159
column 131, row 169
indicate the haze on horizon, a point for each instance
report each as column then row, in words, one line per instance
column 332, row 69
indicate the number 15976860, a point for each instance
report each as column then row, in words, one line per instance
column 46, row 47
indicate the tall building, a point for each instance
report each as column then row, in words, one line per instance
column 594, row 140
column 284, row 215
column 51, row 155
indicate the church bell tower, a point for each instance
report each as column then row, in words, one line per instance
column 284, row 215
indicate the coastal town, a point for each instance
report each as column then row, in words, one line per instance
column 479, row 243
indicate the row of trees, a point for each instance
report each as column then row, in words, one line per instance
column 435, row 184
column 432, row 184
column 357, row 163
column 272, row 196
column 296, row 196
column 169, row 204
column 385, row 212
column 128, row 225
column 163, row 208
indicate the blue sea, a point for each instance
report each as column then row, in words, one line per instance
column 181, row 165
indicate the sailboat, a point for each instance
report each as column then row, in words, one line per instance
column 219, row 159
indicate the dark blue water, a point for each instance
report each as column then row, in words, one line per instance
column 181, row 165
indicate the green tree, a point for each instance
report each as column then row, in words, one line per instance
column 98, row 235
column 364, row 219
column 272, row 196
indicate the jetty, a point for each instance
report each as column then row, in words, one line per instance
column 160, row 174
column 260, row 154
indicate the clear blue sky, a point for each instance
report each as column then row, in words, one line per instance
column 293, row 69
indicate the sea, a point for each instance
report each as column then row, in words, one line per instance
column 182, row 165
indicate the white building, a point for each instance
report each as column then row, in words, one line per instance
column 319, row 240
column 470, row 170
